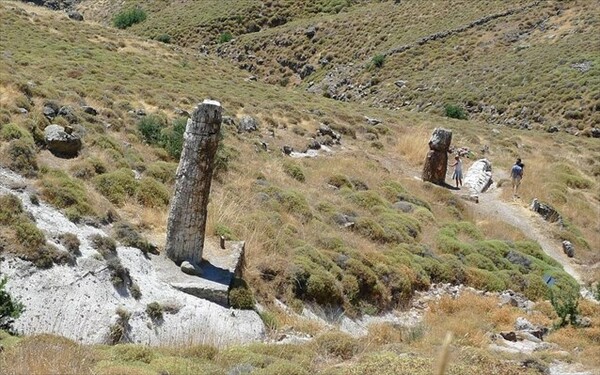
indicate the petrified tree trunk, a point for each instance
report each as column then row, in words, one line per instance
column 436, row 162
column 187, row 215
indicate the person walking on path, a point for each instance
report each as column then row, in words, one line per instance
column 457, row 175
column 516, row 175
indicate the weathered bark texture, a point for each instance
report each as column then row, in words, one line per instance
column 436, row 162
column 187, row 215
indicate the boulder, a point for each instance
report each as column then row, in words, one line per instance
column 287, row 149
column 310, row 32
column 49, row 112
column 61, row 143
column 548, row 212
column 568, row 248
column 75, row 15
column 247, row 124
column 595, row 132
column 89, row 110
column 510, row 336
column 404, row 206
column 68, row 114
column 372, row 120
column 523, row 324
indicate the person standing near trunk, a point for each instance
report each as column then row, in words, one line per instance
column 457, row 175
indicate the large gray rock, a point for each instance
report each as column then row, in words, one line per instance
column 545, row 210
column 568, row 248
column 61, row 143
column 479, row 176
column 75, row 15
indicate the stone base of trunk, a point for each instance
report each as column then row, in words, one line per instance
column 218, row 269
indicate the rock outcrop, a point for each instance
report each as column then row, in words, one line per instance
column 62, row 142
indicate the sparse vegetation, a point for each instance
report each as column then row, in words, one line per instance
column 129, row 17
column 10, row 309
column 154, row 311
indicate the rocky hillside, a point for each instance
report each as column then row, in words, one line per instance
column 523, row 64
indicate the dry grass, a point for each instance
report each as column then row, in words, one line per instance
column 47, row 354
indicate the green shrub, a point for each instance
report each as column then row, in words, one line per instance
column 454, row 111
column 339, row 181
column 295, row 203
column 172, row 137
column 240, row 295
column 116, row 186
column 119, row 275
column 566, row 306
column 294, row 171
column 29, row 235
column 224, row 37
column 119, row 329
column 129, row 17
column 162, row 171
column 154, row 311
column 163, row 38
column 150, row 127
column 9, row 308
column 22, row 156
column 224, row 231
column 151, row 193
column 12, row 131
column 62, row 191
column 322, row 288
column 378, row 61
column 282, row 367
column 133, row 353
column 135, row 291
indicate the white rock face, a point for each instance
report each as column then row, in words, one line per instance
column 80, row 302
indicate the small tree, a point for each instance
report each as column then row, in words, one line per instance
column 9, row 309
column 378, row 60
column 566, row 306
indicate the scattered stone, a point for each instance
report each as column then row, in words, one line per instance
column 61, row 143
column 190, row 269
column 247, row 124
column 306, row 70
column 510, row 336
column 568, row 248
column 583, row 321
column 49, row 112
column 582, row 67
column 595, row 132
column 310, row 32
column 182, row 112
column 548, row 212
column 326, row 131
column 251, row 79
column 22, row 111
column 552, row 129
column 523, row 324
column 400, row 83
column 314, row 145
column 287, row 150
column 89, row 110
column 372, row 120
column 75, row 15
column 67, row 113
column 344, row 220
column 228, row 120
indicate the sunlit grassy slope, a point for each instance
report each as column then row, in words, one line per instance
column 286, row 209
column 522, row 69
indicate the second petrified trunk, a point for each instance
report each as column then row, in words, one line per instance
column 436, row 162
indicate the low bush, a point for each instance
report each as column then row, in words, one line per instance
column 163, row 38
column 240, row 296
column 10, row 309
column 151, row 127
column 118, row 331
column 224, row 37
column 22, row 157
column 378, row 61
column 106, row 246
column 129, row 17
column 133, row 353
column 152, row 193
column 62, row 191
column 294, row 171
column 117, row 186
column 454, row 111
column 154, row 311
column 337, row 344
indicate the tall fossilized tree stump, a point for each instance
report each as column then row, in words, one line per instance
column 436, row 162
column 187, row 215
